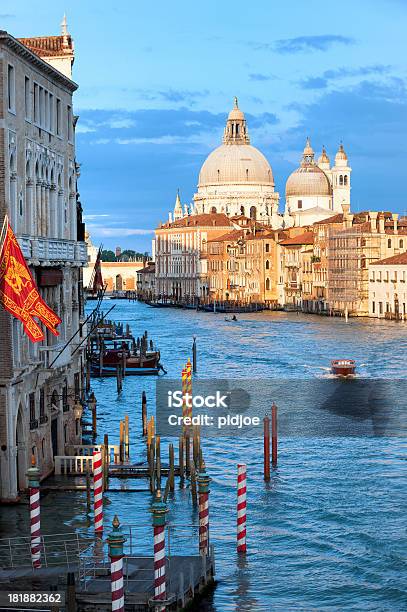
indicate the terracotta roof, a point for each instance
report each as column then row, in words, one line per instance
column 395, row 260
column 203, row 220
column 233, row 235
column 147, row 269
column 305, row 238
column 48, row 46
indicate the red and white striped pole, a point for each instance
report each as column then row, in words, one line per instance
column 159, row 510
column 98, row 491
column 116, row 541
column 203, row 491
column 33, row 475
column 241, row 508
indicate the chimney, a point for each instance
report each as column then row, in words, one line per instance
column 373, row 222
column 345, row 210
column 395, row 219
column 381, row 224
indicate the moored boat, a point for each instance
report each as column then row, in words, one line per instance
column 343, row 367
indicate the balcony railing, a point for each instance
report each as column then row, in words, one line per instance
column 53, row 249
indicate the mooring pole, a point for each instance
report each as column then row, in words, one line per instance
column 203, row 488
column 159, row 510
column 144, row 412
column 194, row 369
column 181, row 459
column 171, row 466
column 193, row 485
column 92, row 404
column 241, row 508
column 116, row 541
column 266, row 445
column 274, row 435
column 121, row 443
column 98, row 491
column 33, row 475
column 127, row 436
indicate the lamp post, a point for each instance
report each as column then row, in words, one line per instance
column 77, row 412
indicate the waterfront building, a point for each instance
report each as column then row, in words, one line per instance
column 146, row 282
column 242, row 264
column 388, row 288
column 181, row 273
column 117, row 275
column 364, row 239
column 296, row 265
column 40, row 386
column 315, row 190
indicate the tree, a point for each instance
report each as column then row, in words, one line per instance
column 108, row 256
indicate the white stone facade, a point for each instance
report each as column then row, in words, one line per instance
column 39, row 194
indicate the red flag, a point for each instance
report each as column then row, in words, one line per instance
column 18, row 291
column 98, row 280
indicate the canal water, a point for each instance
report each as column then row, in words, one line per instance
column 328, row 532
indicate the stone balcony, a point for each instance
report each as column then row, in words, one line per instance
column 53, row 251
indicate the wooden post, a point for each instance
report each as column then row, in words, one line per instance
column 193, row 486
column 94, row 415
column 274, row 435
column 187, row 454
column 126, row 437
column 181, row 458
column 151, row 468
column 101, row 359
column 194, row 369
column 266, row 446
column 87, row 375
column 121, row 446
column 118, row 387
column 158, row 461
column 195, row 445
column 87, row 491
column 70, row 592
column 171, row 473
column 144, row 412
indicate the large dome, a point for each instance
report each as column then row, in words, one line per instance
column 308, row 181
column 236, row 163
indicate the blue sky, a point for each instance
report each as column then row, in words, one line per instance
column 157, row 80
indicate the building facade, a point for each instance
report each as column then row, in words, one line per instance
column 40, row 386
column 388, row 288
column 180, row 271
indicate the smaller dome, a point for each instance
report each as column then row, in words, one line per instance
column 323, row 158
column 341, row 155
column 308, row 180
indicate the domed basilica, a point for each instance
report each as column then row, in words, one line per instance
column 236, row 179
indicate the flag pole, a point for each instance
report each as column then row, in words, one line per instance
column 3, row 232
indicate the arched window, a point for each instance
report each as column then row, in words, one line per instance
column 341, row 179
column 242, row 210
column 218, row 176
column 267, row 265
column 389, row 243
column 267, row 284
column 401, row 244
column 213, row 209
column 253, row 212
column 345, row 180
column 247, row 174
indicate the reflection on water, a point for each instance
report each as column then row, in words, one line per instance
column 328, row 531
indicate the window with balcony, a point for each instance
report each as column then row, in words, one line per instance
column 33, row 420
column 27, row 100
